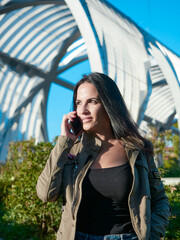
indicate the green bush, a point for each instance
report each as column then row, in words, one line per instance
column 173, row 230
column 172, row 168
column 23, row 215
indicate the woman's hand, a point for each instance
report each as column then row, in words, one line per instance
column 66, row 129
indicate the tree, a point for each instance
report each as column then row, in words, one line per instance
column 23, row 213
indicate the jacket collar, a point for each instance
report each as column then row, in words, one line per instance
column 132, row 154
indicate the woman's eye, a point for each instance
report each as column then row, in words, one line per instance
column 78, row 103
column 93, row 101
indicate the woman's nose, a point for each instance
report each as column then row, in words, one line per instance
column 83, row 109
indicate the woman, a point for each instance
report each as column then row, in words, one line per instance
column 106, row 175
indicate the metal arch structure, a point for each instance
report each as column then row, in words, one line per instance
column 41, row 39
column 120, row 48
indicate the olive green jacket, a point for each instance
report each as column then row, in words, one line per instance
column 66, row 168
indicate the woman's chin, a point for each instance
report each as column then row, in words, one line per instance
column 86, row 127
column 89, row 128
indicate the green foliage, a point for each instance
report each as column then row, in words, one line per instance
column 160, row 140
column 172, row 168
column 23, row 215
column 173, row 230
column 175, row 141
column 166, row 151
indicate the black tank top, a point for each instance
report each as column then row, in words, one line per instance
column 104, row 206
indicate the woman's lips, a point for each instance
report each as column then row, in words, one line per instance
column 85, row 120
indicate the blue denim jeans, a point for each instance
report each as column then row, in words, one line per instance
column 85, row 236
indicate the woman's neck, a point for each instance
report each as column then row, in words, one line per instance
column 106, row 139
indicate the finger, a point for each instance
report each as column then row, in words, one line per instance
column 70, row 116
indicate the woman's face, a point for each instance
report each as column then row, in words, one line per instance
column 91, row 110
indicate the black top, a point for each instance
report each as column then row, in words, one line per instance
column 104, row 205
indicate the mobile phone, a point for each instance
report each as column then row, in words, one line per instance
column 76, row 125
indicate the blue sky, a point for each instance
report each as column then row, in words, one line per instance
column 160, row 18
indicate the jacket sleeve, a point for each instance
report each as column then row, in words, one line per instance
column 160, row 208
column 49, row 182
